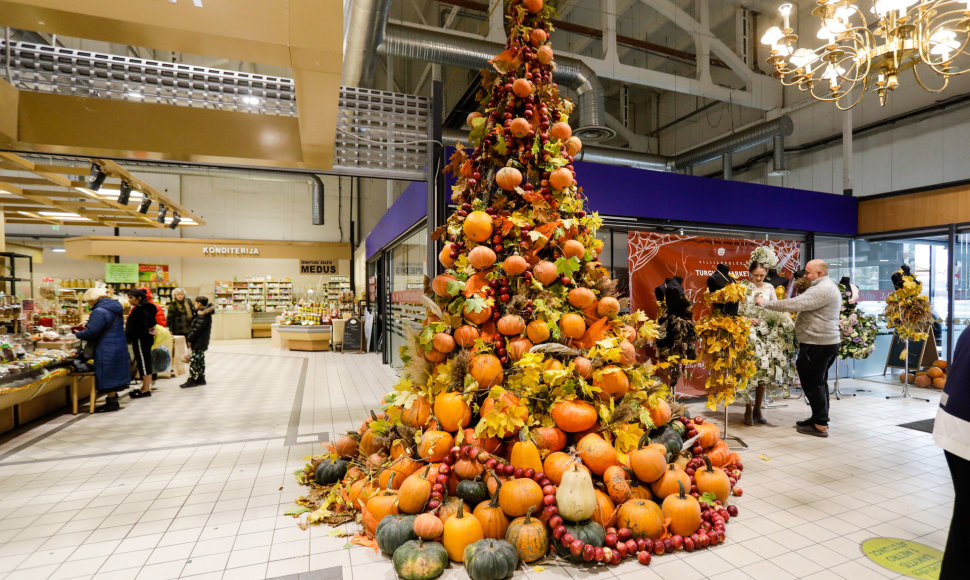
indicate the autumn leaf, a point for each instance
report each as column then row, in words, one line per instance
column 473, row 285
column 506, row 60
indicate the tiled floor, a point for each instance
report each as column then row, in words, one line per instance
column 193, row 483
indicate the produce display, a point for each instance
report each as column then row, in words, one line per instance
column 523, row 426
column 935, row 376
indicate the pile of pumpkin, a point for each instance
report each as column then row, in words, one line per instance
column 935, row 376
column 491, row 508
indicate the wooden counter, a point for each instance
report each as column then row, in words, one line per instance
column 231, row 324
column 304, row 338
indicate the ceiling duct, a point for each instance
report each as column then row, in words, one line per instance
column 779, row 165
column 472, row 53
column 750, row 137
column 603, row 155
column 368, row 19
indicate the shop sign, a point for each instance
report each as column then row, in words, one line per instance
column 121, row 273
column 907, row 557
column 152, row 273
column 318, row 267
column 229, row 251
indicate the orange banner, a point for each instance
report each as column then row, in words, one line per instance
column 655, row 257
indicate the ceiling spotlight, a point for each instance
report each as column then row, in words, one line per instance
column 145, row 204
column 125, row 192
column 96, row 178
column 175, row 220
column 161, row 213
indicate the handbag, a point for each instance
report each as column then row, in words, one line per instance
column 88, row 349
column 82, row 361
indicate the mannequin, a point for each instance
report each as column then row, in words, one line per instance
column 850, row 294
column 776, row 279
column 677, row 321
column 719, row 279
column 897, row 276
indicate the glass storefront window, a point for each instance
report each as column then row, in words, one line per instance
column 407, row 267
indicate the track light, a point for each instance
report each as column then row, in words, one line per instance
column 145, row 204
column 125, row 192
column 175, row 220
column 161, row 213
column 96, row 178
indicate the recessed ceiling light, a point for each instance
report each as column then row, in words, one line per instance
column 58, row 250
column 251, row 100
column 134, row 95
column 64, row 215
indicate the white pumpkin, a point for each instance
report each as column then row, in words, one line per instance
column 575, row 496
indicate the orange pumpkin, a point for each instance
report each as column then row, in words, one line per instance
column 522, row 87
column 525, row 454
column 581, row 298
column 510, row 325
column 572, row 325
column 712, row 479
column 478, row 226
column 561, row 178
column 471, row 117
column 533, row 6
column 660, row 413
column 683, row 511
column 574, row 416
column 418, row 414
column 518, row 347
column 370, row 443
column 605, row 512
column 583, row 366
column 481, row 257
column 435, row 356
column 445, row 256
column 479, row 317
column 460, row 531
column 628, row 353
column 596, row 453
column 557, row 463
column 545, row 56
column 428, row 526
column 508, row 178
column 520, row 127
column 549, row 438
column 574, row 144
column 435, row 446
column 518, row 495
column 414, row 493
column 493, row 519
column 537, row 331
column 452, row 411
column 487, row 370
column 545, row 272
column 489, row 444
column 719, row 454
column 359, row 492
column 648, row 463
column 537, row 37
column 642, row 517
column 608, row 306
column 507, row 401
column 393, row 477
column 466, row 335
column 514, row 265
column 561, row 131
column 708, row 434
column 667, row 484
column 617, row 482
column 379, row 505
column 612, row 381
column 443, row 342
column 440, row 284
column 449, row 507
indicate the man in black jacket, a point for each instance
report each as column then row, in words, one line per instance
column 198, row 341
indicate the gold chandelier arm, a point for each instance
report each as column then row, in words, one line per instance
column 946, row 82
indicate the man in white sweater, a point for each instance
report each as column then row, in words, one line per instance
column 817, row 331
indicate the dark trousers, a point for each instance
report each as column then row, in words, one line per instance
column 813, row 365
column 956, row 557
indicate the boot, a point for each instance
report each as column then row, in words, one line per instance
column 110, row 404
column 747, row 415
column 190, row 383
column 759, row 399
column 200, row 380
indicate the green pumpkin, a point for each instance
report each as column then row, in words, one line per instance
column 490, row 559
column 588, row 531
column 393, row 531
column 473, row 492
column 330, row 471
column 678, row 426
column 420, row 560
column 669, row 438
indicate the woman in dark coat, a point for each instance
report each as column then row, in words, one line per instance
column 140, row 332
column 105, row 327
column 198, row 340
column 180, row 313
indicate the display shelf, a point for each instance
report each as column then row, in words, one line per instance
column 256, row 294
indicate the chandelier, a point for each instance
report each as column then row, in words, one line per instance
column 862, row 50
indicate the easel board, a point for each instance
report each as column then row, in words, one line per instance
column 921, row 354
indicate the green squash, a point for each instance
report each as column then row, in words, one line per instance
column 473, row 492
column 490, row 559
column 393, row 531
column 330, row 471
column 588, row 531
column 678, row 426
column 669, row 438
column 420, row 560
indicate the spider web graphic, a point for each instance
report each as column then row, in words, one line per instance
column 643, row 248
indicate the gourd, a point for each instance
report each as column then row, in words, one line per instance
column 581, row 298
column 612, row 381
column 605, row 513
column 403, row 466
column 493, row 519
column 617, row 482
column 418, row 414
column 465, row 336
column 549, row 438
column 596, row 453
column 572, row 325
column 360, row 490
column 428, row 526
column 583, row 366
column 648, row 463
column 561, row 131
column 712, row 479
column 347, row 445
column 452, row 411
column 537, row 331
column 545, row 56
column 490, row 559
column 443, row 342
column 450, row 506
column 510, row 325
column 508, row 178
column 481, row 257
column 477, row 317
column 330, row 471
column 660, row 413
column 518, row 495
column 379, row 505
column 719, row 454
column 558, row 463
column 545, row 272
column 574, row 415
column 670, row 439
column 486, row 369
column 472, row 491
column 439, row 285
column 393, row 531
column 520, row 127
column 461, row 530
column 576, row 249
column 370, row 443
column 525, row 454
column 514, row 265
column 518, row 347
column 529, row 536
column 642, row 517
column 684, row 512
column 608, row 306
column 414, row 493
column 561, row 178
column 435, row 445
column 667, row 484
column 420, row 560
column 575, row 495
column 588, row 531
column 708, row 434
column 478, row 226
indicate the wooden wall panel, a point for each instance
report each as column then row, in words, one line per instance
column 915, row 210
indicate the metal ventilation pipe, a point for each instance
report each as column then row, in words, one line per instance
column 365, row 31
column 603, row 155
column 779, row 164
column 727, row 166
column 782, row 126
column 316, row 199
column 456, row 50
